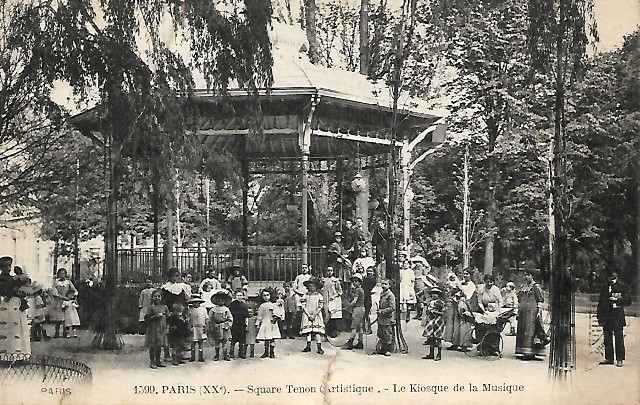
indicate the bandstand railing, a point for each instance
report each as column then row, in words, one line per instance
column 263, row 263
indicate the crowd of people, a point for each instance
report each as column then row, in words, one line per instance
column 182, row 314
column 57, row 304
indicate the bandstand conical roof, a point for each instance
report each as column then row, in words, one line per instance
column 348, row 114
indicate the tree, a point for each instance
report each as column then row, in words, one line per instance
column 31, row 131
column 490, row 61
column 558, row 38
column 137, row 89
column 310, row 12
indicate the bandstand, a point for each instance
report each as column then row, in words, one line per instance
column 311, row 114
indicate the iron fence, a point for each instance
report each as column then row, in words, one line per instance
column 19, row 368
column 262, row 263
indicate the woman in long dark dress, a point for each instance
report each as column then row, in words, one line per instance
column 530, row 336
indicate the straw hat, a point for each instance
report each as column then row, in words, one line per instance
column 357, row 276
column 195, row 298
column 220, row 294
column 435, row 290
column 313, row 280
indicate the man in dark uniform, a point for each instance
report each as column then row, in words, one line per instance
column 326, row 234
column 379, row 240
column 349, row 238
column 338, row 258
column 363, row 236
column 611, row 302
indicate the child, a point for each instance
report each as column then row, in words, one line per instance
column 252, row 330
column 332, row 294
column 300, row 291
column 220, row 324
column 207, row 293
column 35, row 313
column 144, row 302
column 198, row 320
column 290, row 311
column 386, row 318
column 237, row 281
column 239, row 312
column 312, row 322
column 357, row 314
column 156, row 334
column 434, row 328
column 267, row 322
column 407, row 285
column 178, row 332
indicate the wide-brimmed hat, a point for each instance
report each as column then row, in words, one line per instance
column 435, row 290
column 195, row 298
column 419, row 259
column 337, row 233
column 6, row 259
column 357, row 276
column 220, row 294
column 511, row 284
column 313, row 280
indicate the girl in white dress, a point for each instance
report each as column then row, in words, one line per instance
column 312, row 322
column 407, row 286
column 267, row 322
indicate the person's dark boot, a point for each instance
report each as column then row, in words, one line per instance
column 174, row 360
column 216, row 357
column 266, row 351
column 272, row 352
column 439, row 354
column 201, row 356
column 348, row 345
column 232, row 350
column 193, row 354
column 407, row 317
column 242, row 351
column 307, row 348
column 158, row 358
column 226, row 356
column 320, row 351
column 430, row 355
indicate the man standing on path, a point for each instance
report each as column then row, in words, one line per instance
column 386, row 318
column 611, row 302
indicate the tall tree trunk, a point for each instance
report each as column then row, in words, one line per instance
column 108, row 339
column 364, row 37
column 156, row 220
column 492, row 207
column 636, row 236
column 561, row 359
column 489, row 242
column 466, row 251
column 312, row 36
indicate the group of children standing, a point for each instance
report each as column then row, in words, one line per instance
column 227, row 323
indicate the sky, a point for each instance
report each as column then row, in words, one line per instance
column 615, row 19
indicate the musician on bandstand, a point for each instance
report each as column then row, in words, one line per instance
column 339, row 258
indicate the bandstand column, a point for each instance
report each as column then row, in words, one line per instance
column 304, row 141
column 305, row 225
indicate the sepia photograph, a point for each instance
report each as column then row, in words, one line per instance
column 319, row 202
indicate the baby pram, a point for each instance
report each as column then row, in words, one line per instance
column 485, row 337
